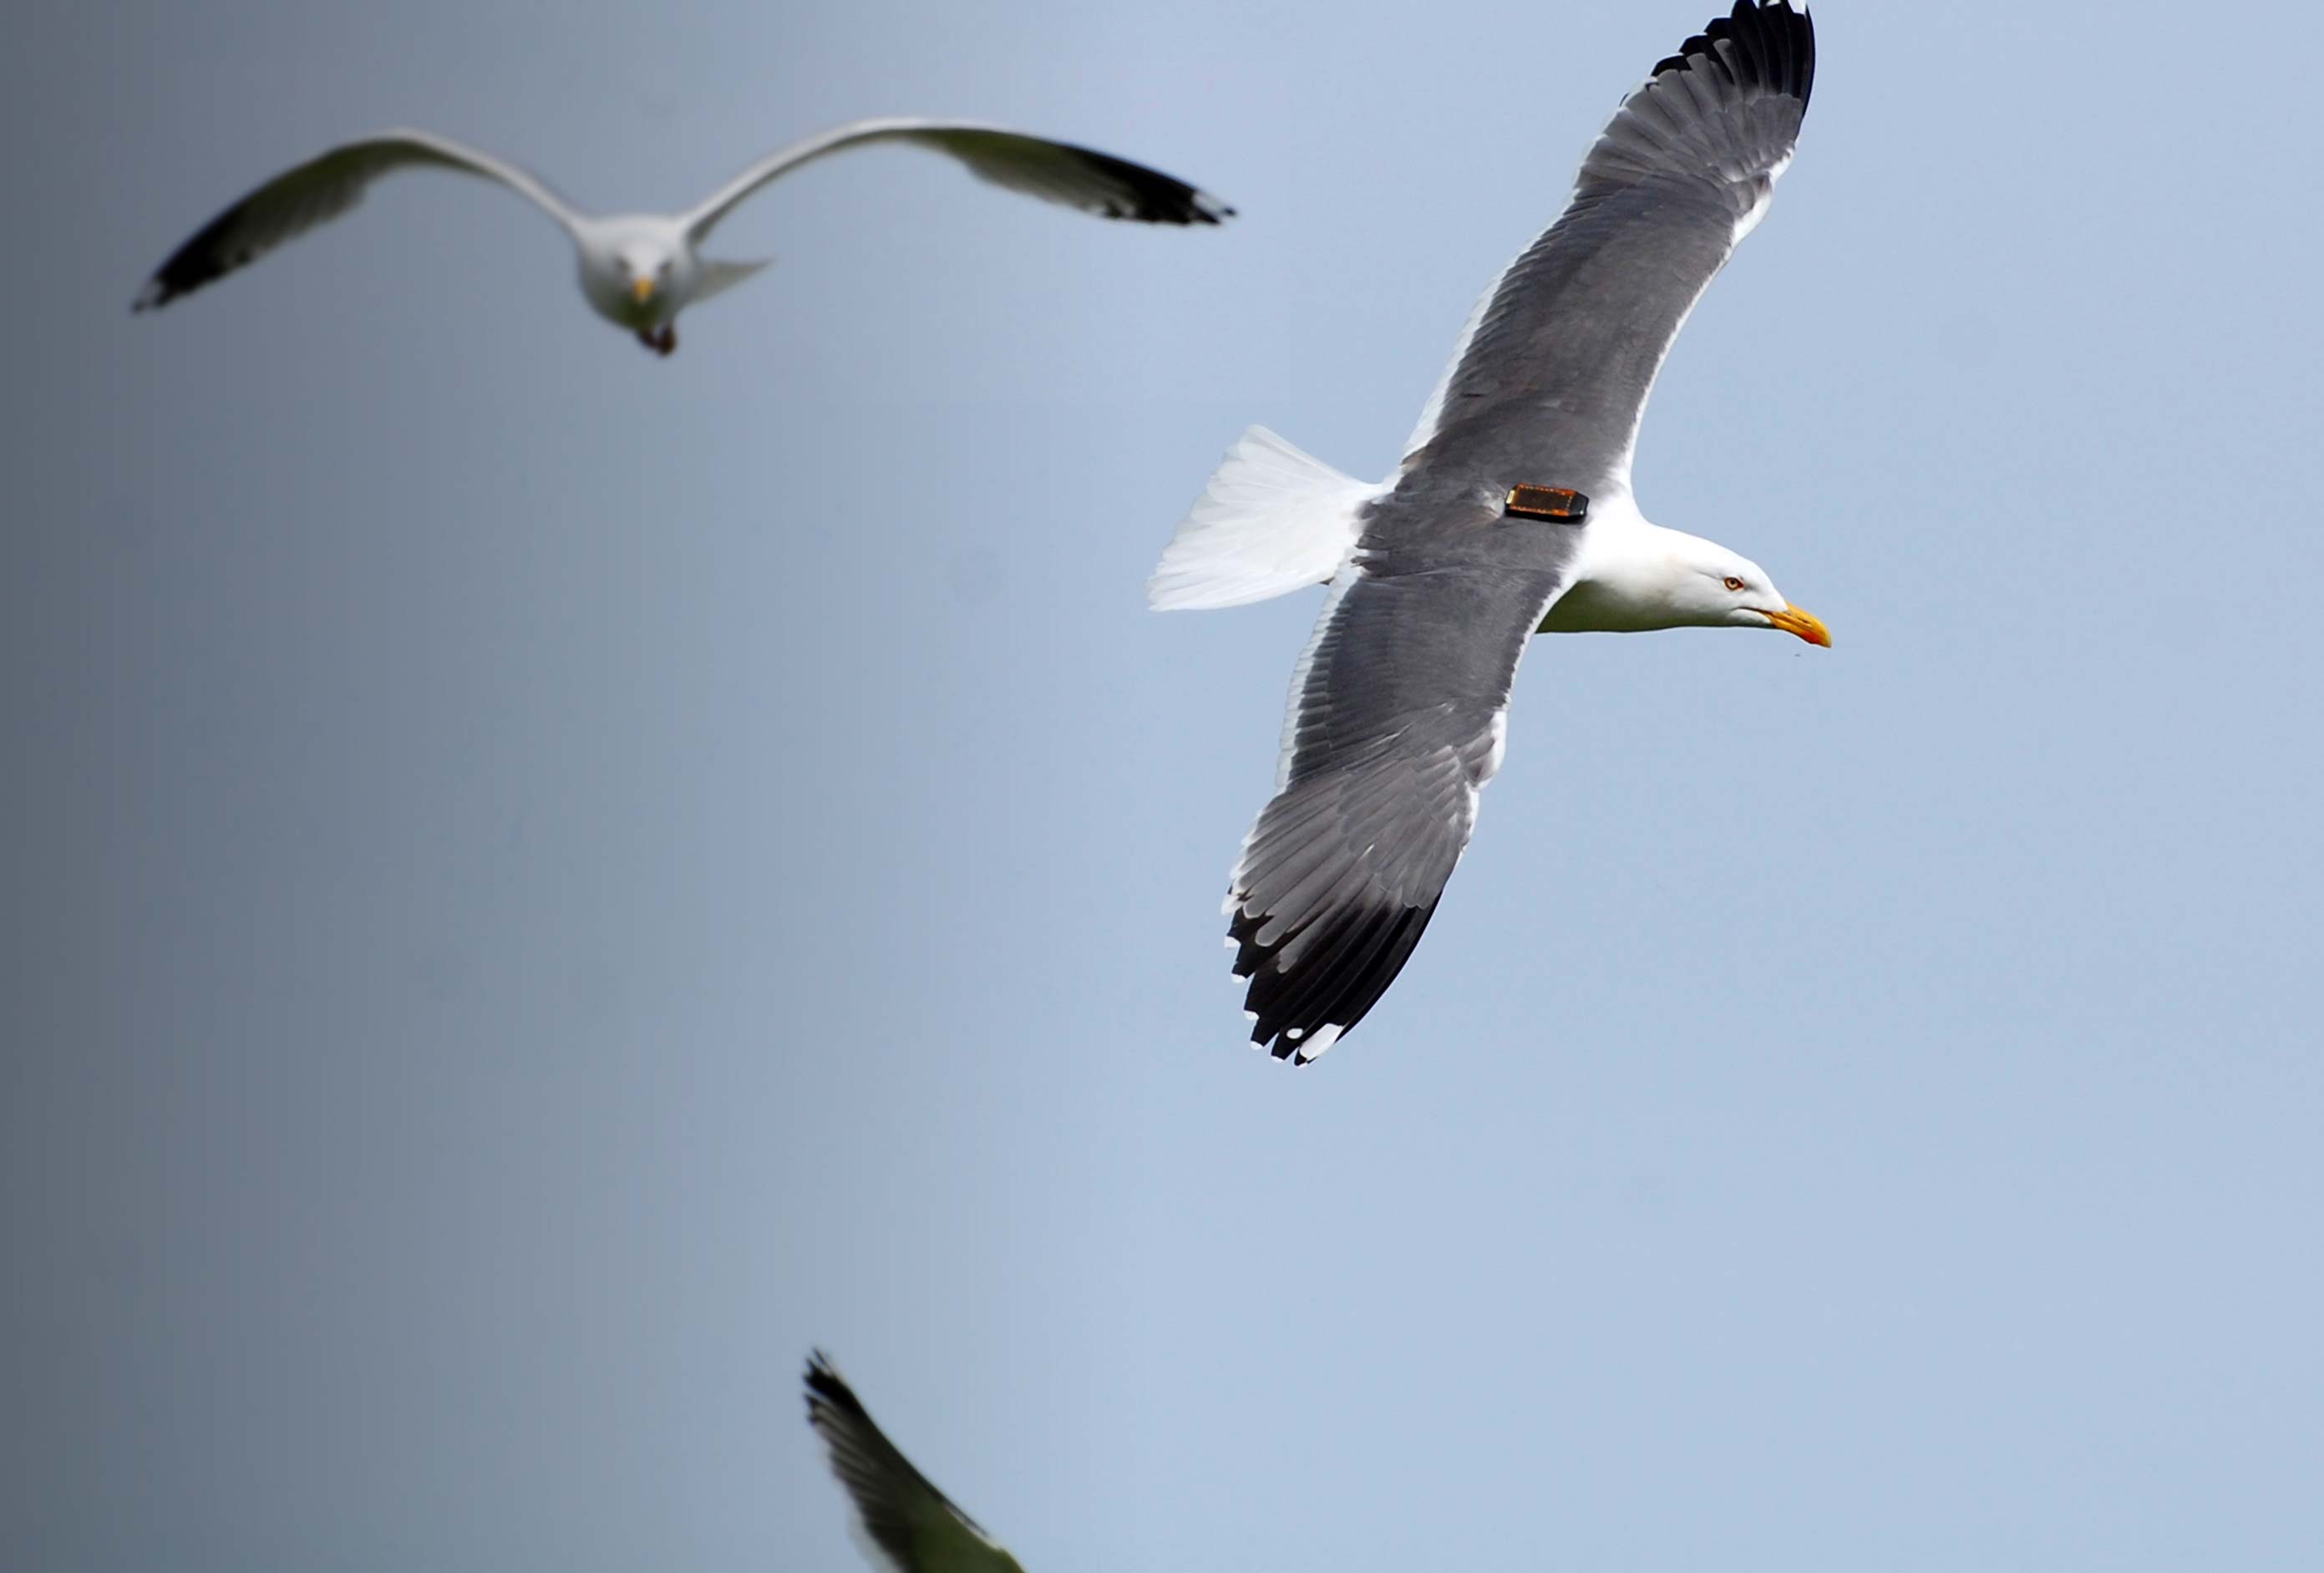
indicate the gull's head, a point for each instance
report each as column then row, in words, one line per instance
column 645, row 270
column 1709, row 586
column 637, row 271
column 1634, row 576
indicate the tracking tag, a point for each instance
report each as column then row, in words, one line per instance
column 1558, row 502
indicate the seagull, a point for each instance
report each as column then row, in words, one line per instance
column 640, row 270
column 1511, row 514
column 903, row 1524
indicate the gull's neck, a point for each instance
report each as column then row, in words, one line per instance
column 1628, row 571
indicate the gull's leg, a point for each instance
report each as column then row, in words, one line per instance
column 651, row 341
column 666, row 341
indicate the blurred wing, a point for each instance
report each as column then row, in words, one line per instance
column 1398, row 711
column 1563, row 351
column 319, row 191
column 1054, row 172
column 904, row 1520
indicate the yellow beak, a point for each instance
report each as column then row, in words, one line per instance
column 1806, row 624
column 643, row 288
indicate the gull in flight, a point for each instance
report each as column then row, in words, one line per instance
column 1511, row 514
column 640, row 270
column 902, row 1523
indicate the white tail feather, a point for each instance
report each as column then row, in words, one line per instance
column 1273, row 520
column 719, row 277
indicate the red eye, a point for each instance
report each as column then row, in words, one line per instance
column 1733, row 583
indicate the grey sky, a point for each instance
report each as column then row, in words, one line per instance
column 542, row 882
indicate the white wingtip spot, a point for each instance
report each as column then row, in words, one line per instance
column 1312, row 1049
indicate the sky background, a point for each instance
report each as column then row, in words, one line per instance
column 542, row 883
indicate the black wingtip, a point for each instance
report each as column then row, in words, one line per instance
column 826, row 1385
column 1150, row 197
column 200, row 261
column 1777, row 41
column 1337, row 980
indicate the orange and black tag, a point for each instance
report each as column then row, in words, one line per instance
column 1566, row 506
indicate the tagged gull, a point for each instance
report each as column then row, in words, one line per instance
column 903, row 1524
column 640, row 270
column 1510, row 515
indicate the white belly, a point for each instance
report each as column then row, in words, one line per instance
column 1621, row 582
column 1593, row 606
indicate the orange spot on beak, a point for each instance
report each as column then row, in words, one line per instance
column 1807, row 625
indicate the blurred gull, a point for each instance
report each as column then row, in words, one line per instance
column 640, row 270
column 903, row 1524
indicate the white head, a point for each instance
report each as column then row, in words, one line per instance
column 1708, row 587
column 637, row 273
column 1637, row 576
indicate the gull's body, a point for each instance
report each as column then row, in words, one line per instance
column 903, row 1524
column 640, row 270
column 1438, row 580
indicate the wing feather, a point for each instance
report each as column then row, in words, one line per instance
column 319, row 191
column 1395, row 726
column 899, row 1513
column 1054, row 172
column 1575, row 329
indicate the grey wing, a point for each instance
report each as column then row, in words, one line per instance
column 1552, row 374
column 1056, row 172
column 319, row 191
column 903, row 1518
column 1398, row 715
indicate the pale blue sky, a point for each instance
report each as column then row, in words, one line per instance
column 543, row 883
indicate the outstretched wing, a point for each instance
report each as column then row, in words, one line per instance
column 319, row 191
column 1054, row 172
column 904, row 1520
column 1561, row 352
column 1398, row 711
